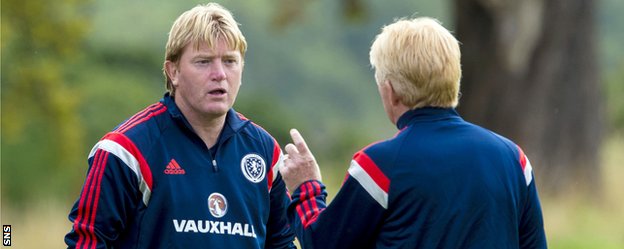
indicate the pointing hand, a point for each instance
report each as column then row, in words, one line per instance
column 299, row 165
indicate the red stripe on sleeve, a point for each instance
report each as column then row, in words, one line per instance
column 307, row 203
column 89, row 202
column 300, row 211
column 315, row 191
column 304, row 198
column 276, row 154
column 84, row 208
column 372, row 170
column 316, row 211
column 98, row 188
column 301, row 215
column 522, row 158
column 131, row 147
column 82, row 201
column 308, row 209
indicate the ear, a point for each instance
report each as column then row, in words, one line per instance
column 171, row 68
column 394, row 98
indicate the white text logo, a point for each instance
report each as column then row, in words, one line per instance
column 214, row 227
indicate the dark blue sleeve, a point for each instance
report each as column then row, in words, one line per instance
column 279, row 233
column 351, row 220
column 532, row 233
column 531, row 226
column 108, row 197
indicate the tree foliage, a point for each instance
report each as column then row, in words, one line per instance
column 41, row 132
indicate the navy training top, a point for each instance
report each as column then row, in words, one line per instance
column 153, row 183
column 441, row 182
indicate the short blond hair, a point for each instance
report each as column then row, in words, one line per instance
column 202, row 24
column 422, row 60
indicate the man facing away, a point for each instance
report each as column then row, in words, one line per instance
column 440, row 182
column 188, row 171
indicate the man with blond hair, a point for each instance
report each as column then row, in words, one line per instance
column 187, row 171
column 440, row 182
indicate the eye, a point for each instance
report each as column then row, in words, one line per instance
column 202, row 62
column 230, row 61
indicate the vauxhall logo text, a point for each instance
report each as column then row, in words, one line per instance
column 214, row 227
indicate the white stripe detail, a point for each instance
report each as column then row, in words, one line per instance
column 368, row 184
column 528, row 171
column 278, row 164
column 130, row 161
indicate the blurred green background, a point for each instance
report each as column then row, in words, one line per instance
column 71, row 70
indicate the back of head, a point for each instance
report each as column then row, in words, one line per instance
column 422, row 60
column 203, row 24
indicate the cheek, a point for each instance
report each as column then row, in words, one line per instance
column 236, row 73
column 235, row 79
column 234, row 88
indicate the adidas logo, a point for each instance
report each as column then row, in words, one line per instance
column 173, row 168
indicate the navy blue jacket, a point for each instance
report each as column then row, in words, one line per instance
column 153, row 183
column 441, row 182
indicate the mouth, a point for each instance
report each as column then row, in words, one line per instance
column 217, row 92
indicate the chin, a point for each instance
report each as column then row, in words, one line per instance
column 216, row 110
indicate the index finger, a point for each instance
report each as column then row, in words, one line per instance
column 299, row 142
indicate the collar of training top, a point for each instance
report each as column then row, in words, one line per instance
column 425, row 114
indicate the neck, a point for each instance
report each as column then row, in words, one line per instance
column 206, row 126
column 208, row 129
column 397, row 112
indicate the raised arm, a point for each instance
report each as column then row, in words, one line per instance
column 351, row 221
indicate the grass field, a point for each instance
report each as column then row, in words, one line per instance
column 571, row 222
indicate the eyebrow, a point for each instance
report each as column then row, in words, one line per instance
column 211, row 56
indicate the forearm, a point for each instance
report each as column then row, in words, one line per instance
column 308, row 202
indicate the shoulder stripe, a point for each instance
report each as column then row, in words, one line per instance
column 142, row 116
column 373, row 170
column 136, row 116
column 276, row 163
column 372, row 179
column 121, row 146
column 527, row 169
column 242, row 117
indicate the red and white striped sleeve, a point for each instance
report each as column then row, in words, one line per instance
column 116, row 166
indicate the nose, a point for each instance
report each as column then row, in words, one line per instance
column 218, row 71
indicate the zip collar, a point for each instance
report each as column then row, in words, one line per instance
column 426, row 114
